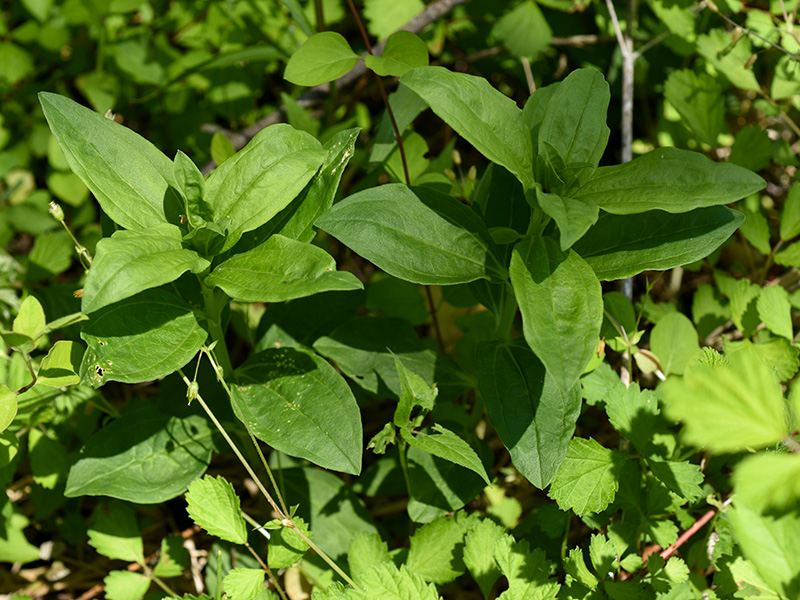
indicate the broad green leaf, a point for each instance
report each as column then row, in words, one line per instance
column 48, row 459
column 785, row 82
column 728, row 57
column 668, row 179
column 141, row 338
column 752, row 148
column 406, row 106
column 619, row 246
column 191, row 185
column 790, row 216
column 681, row 478
column 212, row 503
column 14, row 546
column 632, row 412
column 125, row 585
column 61, row 366
column 709, row 310
column 790, row 257
column 366, row 550
column 588, row 478
column 447, row 445
column 133, row 261
column 438, row 486
column 114, row 532
column 561, row 304
column 68, row 188
column 728, row 408
column 778, row 354
column 573, row 217
column 744, row 306
column 15, row 63
column 415, row 234
column 387, row 16
column 8, row 409
column 534, row 418
column 286, row 547
column 775, row 310
column 297, row 219
column 573, row 133
column 772, row 543
column 243, row 583
column 483, row 116
column 403, row 51
column 30, row 319
column 323, row 57
column 52, row 253
column 479, row 546
column 280, row 269
column 221, row 148
column 131, row 179
column 144, row 456
column 674, row 341
column 755, row 227
column 173, row 558
column 768, row 481
column 298, row 404
column 437, row 548
column 260, row 180
column 524, row 31
column 699, row 100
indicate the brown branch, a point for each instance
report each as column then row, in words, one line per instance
column 316, row 94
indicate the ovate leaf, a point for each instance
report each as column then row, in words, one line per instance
column 573, row 217
column 403, row 51
column 8, row 409
column 125, row 585
column 533, row 416
column 699, row 100
column 114, row 533
column 728, row 408
column 243, row 583
column 280, row 269
column 479, row 546
column 674, row 341
column 620, row 246
column 141, row 338
column 415, row 234
column 144, row 456
column 668, row 179
column 61, row 366
column 133, row 261
column 213, row 504
column 775, row 310
column 588, row 478
column 323, row 57
column 298, row 404
column 257, row 182
column 561, row 305
column 130, row 178
column 483, row 116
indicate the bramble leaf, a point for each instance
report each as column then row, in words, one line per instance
column 588, row 478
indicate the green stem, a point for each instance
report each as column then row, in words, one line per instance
column 402, row 448
column 214, row 316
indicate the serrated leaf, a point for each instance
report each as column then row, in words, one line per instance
column 775, row 310
column 744, row 306
column 527, row 570
column 768, row 481
column 414, row 392
column 479, row 546
column 213, row 504
column 114, row 533
column 323, row 57
column 243, row 584
column 366, row 550
column 534, row 418
column 561, row 304
column 174, row 557
column 447, row 445
column 387, row 582
column 436, row 552
column 403, row 51
column 575, row 566
column 125, row 585
column 278, row 270
column 728, row 408
column 588, row 478
column 682, row 478
column 603, row 555
column 632, row 412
